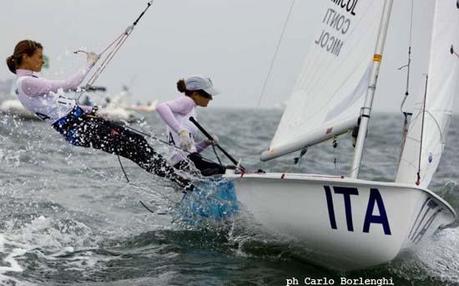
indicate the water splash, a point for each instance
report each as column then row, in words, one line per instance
column 55, row 234
column 436, row 262
column 442, row 260
column 213, row 201
column 11, row 252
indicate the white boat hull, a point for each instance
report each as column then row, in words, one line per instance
column 343, row 223
column 118, row 114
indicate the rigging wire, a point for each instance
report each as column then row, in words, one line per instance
column 268, row 75
column 408, row 65
column 117, row 43
column 129, row 182
column 132, row 184
column 112, row 50
column 418, row 181
column 407, row 115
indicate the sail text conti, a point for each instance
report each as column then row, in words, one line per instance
column 337, row 24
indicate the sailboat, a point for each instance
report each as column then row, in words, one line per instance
column 345, row 222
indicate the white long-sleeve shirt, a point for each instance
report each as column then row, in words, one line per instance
column 176, row 113
column 41, row 96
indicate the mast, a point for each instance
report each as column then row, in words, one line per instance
column 366, row 109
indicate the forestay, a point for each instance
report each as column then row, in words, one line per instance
column 443, row 77
column 331, row 88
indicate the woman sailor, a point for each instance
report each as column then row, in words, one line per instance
column 78, row 124
column 182, row 132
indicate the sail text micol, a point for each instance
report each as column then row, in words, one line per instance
column 338, row 22
column 330, row 43
column 348, row 5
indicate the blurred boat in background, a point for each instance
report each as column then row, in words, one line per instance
column 112, row 107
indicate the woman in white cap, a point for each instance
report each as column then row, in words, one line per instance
column 79, row 125
column 181, row 131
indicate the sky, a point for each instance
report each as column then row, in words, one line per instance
column 231, row 41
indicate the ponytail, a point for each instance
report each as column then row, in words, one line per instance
column 11, row 64
column 181, row 87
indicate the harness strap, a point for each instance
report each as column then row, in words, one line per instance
column 42, row 116
column 65, row 122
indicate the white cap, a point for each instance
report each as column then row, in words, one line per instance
column 200, row 83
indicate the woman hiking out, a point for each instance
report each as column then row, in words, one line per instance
column 78, row 124
column 198, row 91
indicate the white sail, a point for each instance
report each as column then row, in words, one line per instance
column 343, row 223
column 432, row 122
column 331, row 88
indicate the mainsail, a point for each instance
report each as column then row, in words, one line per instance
column 427, row 133
column 331, row 88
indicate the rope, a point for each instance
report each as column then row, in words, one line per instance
column 122, row 169
column 335, row 160
column 129, row 182
column 268, row 75
column 216, row 155
column 297, row 160
column 145, row 206
column 137, row 187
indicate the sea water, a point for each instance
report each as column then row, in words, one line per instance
column 68, row 216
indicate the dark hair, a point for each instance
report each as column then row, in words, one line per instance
column 181, row 87
column 27, row 47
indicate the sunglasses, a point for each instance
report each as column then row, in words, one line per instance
column 205, row 94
